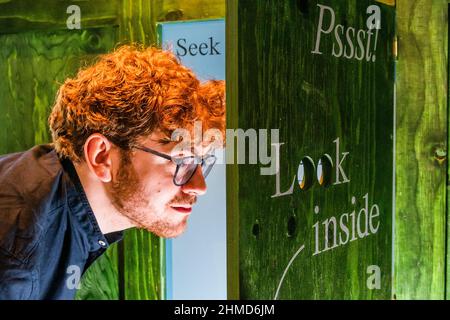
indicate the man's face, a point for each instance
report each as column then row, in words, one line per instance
column 144, row 192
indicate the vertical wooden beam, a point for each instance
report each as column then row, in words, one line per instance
column 422, row 124
column 232, row 177
column 447, row 262
column 137, row 21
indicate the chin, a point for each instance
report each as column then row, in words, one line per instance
column 172, row 234
column 169, row 233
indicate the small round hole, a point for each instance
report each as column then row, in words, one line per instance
column 305, row 173
column 325, row 170
column 256, row 229
column 291, row 226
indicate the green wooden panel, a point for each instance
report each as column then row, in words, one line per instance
column 313, row 99
column 33, row 65
column 232, row 171
column 101, row 280
column 144, row 266
column 25, row 15
column 139, row 17
column 422, row 125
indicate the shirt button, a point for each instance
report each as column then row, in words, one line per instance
column 102, row 243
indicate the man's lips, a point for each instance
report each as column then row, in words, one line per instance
column 183, row 209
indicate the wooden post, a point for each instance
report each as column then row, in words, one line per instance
column 421, row 150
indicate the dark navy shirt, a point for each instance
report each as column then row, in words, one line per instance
column 48, row 232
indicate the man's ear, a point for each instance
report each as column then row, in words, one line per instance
column 98, row 156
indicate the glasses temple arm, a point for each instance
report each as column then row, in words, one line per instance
column 156, row 153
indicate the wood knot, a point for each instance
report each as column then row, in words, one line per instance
column 440, row 154
column 174, row 15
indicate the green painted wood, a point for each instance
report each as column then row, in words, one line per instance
column 139, row 17
column 33, row 65
column 101, row 281
column 422, row 125
column 24, row 15
column 232, row 172
column 144, row 268
column 313, row 100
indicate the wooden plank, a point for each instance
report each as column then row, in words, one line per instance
column 138, row 21
column 422, row 125
column 447, row 243
column 232, row 175
column 313, row 99
column 188, row 10
column 139, row 17
column 33, row 65
column 101, row 281
column 143, row 266
column 24, row 15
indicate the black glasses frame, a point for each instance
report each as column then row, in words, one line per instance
column 180, row 162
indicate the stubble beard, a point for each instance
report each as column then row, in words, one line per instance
column 131, row 200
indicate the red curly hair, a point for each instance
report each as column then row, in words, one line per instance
column 128, row 94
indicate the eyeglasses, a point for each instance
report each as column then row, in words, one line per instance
column 186, row 166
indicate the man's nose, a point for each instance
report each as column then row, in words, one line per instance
column 196, row 185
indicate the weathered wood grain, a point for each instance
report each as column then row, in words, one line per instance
column 138, row 17
column 33, row 65
column 422, row 124
column 101, row 282
column 24, row 15
column 232, row 173
column 143, row 266
column 312, row 99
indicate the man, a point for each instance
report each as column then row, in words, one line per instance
column 112, row 166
